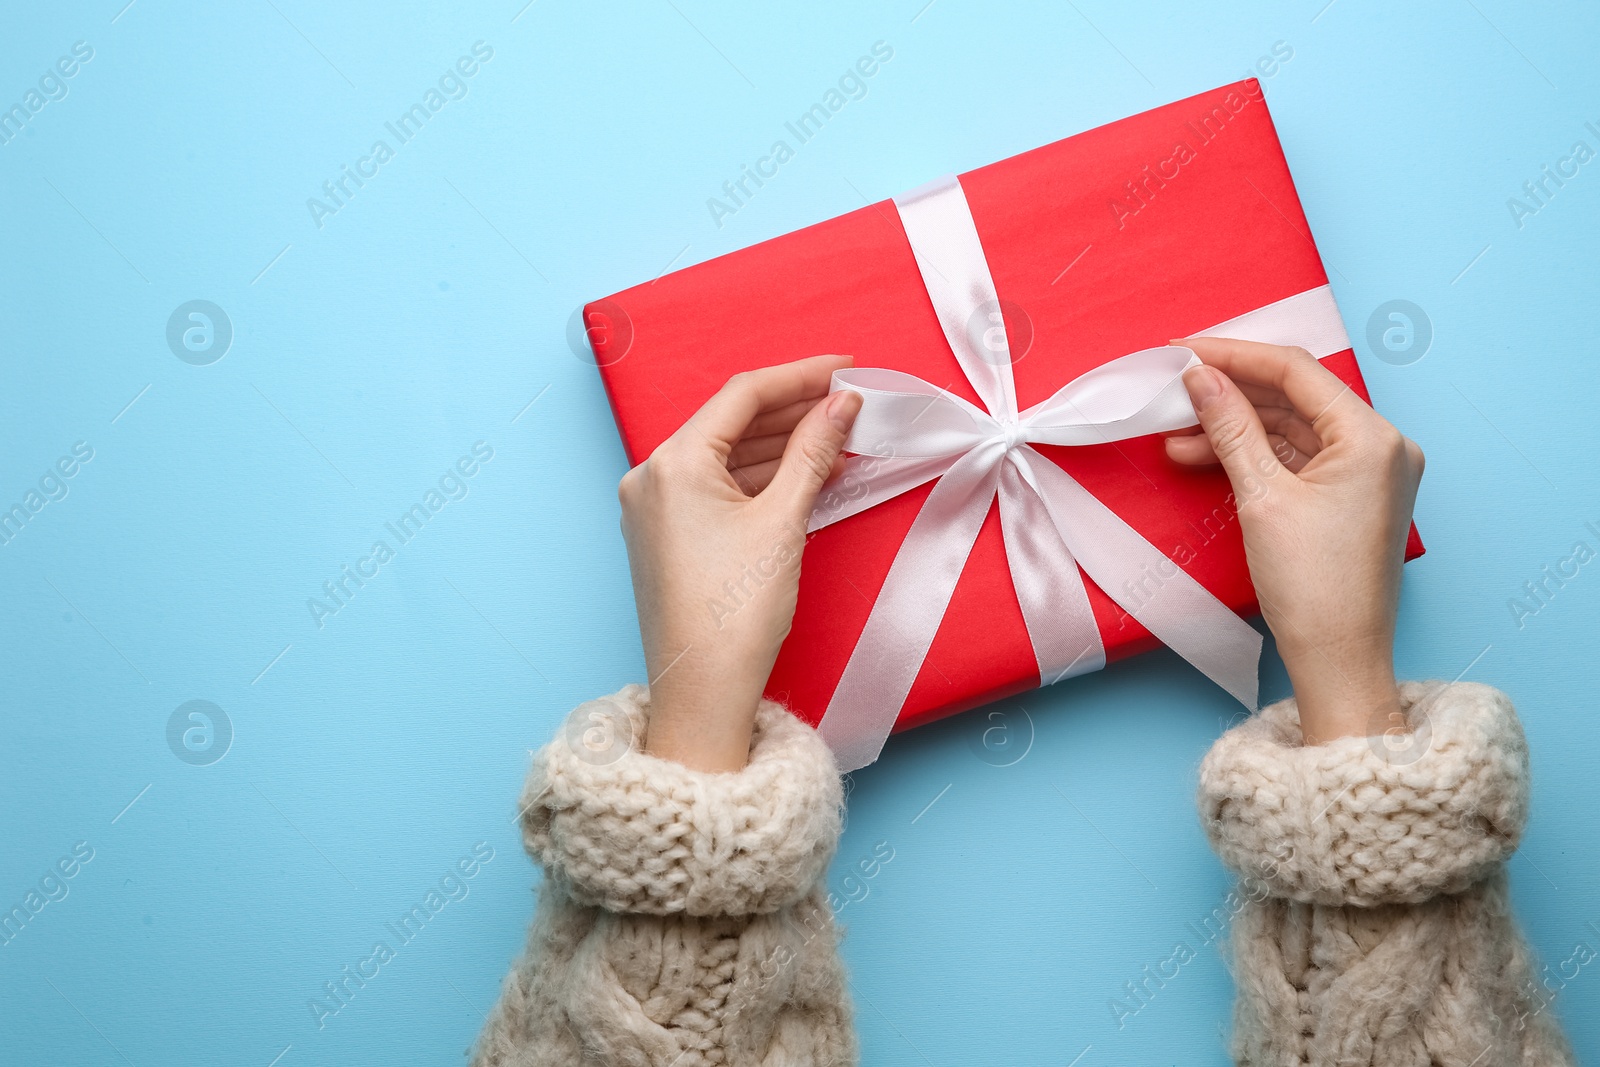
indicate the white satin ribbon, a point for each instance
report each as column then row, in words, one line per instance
column 910, row 432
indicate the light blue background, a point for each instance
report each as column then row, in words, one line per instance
column 372, row 753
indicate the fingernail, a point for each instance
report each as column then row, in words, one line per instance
column 1203, row 385
column 842, row 407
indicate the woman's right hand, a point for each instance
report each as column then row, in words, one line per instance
column 1325, row 487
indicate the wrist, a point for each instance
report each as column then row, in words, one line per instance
column 703, row 725
column 1346, row 697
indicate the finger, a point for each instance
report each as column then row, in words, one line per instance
column 813, row 449
column 1287, row 453
column 1271, row 415
column 1292, row 428
column 1197, row 452
column 751, row 450
column 756, row 477
column 1192, row 450
column 1192, row 446
column 1232, row 426
column 1263, row 396
column 1312, row 389
column 727, row 415
column 782, row 420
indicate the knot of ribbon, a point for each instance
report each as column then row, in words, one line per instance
column 910, row 432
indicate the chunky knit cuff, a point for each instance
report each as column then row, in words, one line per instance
column 630, row 832
column 1371, row 820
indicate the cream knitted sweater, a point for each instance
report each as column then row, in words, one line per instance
column 682, row 921
column 1378, row 931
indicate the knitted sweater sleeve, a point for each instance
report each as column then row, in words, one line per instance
column 628, row 832
column 1365, row 821
column 683, row 917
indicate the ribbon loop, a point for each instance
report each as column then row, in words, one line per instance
column 1135, row 395
column 902, row 415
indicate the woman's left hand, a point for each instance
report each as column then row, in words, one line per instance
column 715, row 521
column 1325, row 487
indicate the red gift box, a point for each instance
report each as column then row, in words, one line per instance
column 1156, row 226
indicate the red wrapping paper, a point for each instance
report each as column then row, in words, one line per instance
column 1154, row 227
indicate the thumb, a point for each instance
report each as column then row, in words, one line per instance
column 809, row 456
column 1232, row 426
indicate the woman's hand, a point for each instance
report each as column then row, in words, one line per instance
column 1325, row 487
column 715, row 521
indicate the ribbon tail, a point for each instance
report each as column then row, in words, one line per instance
column 906, row 616
column 1055, row 605
column 1166, row 600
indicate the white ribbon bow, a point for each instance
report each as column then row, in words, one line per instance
column 909, row 432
